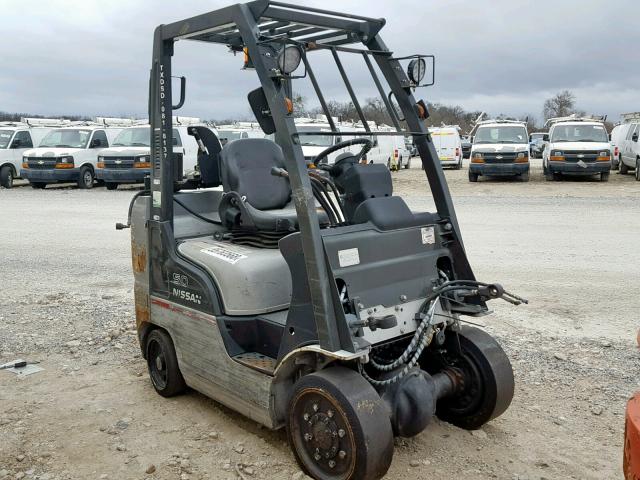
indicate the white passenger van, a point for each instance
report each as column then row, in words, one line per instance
column 448, row 144
column 18, row 137
column 70, row 153
column 577, row 146
column 500, row 148
column 237, row 131
column 390, row 150
column 629, row 146
column 129, row 158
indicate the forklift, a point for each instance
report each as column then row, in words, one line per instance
column 299, row 292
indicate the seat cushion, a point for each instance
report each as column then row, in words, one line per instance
column 246, row 169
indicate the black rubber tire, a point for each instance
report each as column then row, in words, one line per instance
column 473, row 177
column 6, row 177
column 86, row 177
column 399, row 164
column 408, row 164
column 38, row 185
column 163, row 364
column 637, row 173
column 356, row 409
column 524, row 177
column 623, row 168
column 489, row 382
column 604, row 177
column 111, row 185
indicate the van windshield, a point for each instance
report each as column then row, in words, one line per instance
column 501, row 134
column 133, row 137
column 227, row 136
column 579, row 133
column 537, row 135
column 5, row 138
column 314, row 140
column 66, row 138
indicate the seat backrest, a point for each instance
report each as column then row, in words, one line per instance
column 246, row 169
column 208, row 163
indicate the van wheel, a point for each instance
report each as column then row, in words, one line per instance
column 38, row 185
column 163, row 364
column 85, row 180
column 111, row 185
column 458, row 165
column 6, row 177
column 339, row 427
column 408, row 165
column 473, row 177
column 638, row 170
column 399, row 164
column 623, row 168
column 604, row 177
column 524, row 177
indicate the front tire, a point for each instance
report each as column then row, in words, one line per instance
column 473, row 177
column 38, row 185
column 86, row 178
column 638, row 170
column 488, row 379
column 604, row 177
column 524, row 177
column 163, row 364
column 623, row 168
column 339, row 427
column 6, row 177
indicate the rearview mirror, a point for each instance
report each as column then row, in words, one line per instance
column 545, row 138
column 635, row 137
column 260, row 107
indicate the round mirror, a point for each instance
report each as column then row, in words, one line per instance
column 416, row 70
column 289, row 59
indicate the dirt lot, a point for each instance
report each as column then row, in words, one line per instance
column 66, row 301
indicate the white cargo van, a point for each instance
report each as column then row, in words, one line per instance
column 237, row 131
column 577, row 146
column 448, row 144
column 129, row 158
column 70, row 153
column 629, row 146
column 500, row 148
column 18, row 137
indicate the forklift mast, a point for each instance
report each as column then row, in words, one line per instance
column 261, row 27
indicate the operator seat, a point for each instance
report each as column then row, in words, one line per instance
column 254, row 199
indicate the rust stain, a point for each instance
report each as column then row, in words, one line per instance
column 142, row 306
column 138, row 257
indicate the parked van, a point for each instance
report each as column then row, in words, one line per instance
column 237, row 131
column 627, row 141
column 129, row 158
column 70, row 153
column 500, row 148
column 577, row 146
column 18, row 137
column 537, row 143
column 448, row 144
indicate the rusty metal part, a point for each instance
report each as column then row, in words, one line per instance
column 258, row 361
column 631, row 458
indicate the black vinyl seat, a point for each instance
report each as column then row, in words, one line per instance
column 254, row 199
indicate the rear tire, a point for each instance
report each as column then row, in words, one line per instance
column 638, row 170
column 85, row 178
column 408, row 165
column 6, row 177
column 338, row 426
column 623, row 168
column 38, row 185
column 163, row 364
column 111, row 185
column 473, row 177
column 489, row 384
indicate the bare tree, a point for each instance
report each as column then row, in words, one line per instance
column 560, row 105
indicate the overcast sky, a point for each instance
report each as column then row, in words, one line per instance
column 505, row 56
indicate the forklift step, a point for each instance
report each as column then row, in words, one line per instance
column 257, row 361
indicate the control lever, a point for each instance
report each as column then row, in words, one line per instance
column 279, row 172
column 388, row 321
column 495, row 290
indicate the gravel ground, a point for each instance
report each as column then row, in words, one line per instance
column 66, row 301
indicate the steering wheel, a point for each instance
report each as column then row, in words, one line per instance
column 366, row 146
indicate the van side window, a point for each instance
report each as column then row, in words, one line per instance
column 100, row 135
column 632, row 128
column 177, row 141
column 24, row 139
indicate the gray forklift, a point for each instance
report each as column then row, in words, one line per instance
column 299, row 292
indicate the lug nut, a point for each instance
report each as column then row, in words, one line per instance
column 332, row 464
column 315, row 407
column 306, row 417
column 330, row 413
column 341, row 433
column 308, row 437
column 317, row 457
column 342, row 454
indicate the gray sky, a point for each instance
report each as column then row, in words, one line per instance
column 92, row 57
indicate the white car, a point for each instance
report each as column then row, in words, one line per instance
column 448, row 145
column 500, row 148
column 68, row 154
column 628, row 144
column 129, row 158
column 577, row 146
column 15, row 139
